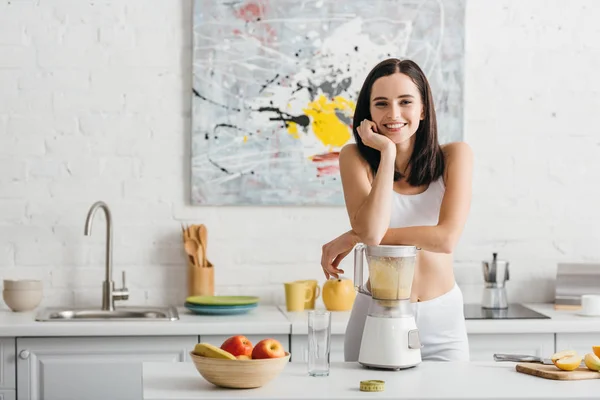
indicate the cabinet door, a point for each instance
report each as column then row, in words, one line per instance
column 217, row 340
column 8, row 395
column 300, row 348
column 483, row 346
column 581, row 342
column 7, row 364
column 91, row 368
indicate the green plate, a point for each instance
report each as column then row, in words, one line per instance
column 222, row 300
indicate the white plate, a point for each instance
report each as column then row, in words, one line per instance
column 587, row 315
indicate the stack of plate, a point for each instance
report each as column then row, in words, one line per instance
column 221, row 305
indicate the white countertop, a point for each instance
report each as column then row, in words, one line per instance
column 559, row 322
column 429, row 380
column 261, row 320
column 267, row 319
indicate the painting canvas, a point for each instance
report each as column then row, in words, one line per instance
column 275, row 84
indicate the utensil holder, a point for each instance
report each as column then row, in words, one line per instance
column 201, row 280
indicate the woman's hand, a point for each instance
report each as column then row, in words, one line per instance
column 368, row 133
column 334, row 251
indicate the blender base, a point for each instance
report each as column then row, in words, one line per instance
column 386, row 367
column 390, row 343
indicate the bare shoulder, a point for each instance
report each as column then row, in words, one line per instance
column 459, row 159
column 349, row 151
column 351, row 161
column 350, row 154
column 457, row 151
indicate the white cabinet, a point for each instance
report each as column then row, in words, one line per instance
column 8, row 395
column 217, row 340
column 91, row 367
column 581, row 342
column 7, row 365
column 483, row 346
column 300, row 348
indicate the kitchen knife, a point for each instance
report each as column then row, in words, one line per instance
column 526, row 358
column 522, row 358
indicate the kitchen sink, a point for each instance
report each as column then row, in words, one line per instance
column 119, row 314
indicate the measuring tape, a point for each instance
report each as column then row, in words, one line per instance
column 372, row 386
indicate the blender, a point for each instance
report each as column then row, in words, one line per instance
column 390, row 337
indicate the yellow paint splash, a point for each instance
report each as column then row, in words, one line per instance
column 293, row 130
column 328, row 128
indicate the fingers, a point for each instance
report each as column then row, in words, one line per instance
column 331, row 271
column 367, row 130
column 372, row 125
column 336, row 261
column 323, row 262
column 329, row 268
column 363, row 129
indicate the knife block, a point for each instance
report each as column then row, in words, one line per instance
column 201, row 280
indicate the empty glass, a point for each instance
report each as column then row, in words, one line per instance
column 319, row 342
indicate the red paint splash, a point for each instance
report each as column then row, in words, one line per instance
column 251, row 11
column 330, row 160
column 332, row 156
column 254, row 11
column 327, row 170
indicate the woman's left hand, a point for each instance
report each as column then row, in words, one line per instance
column 334, row 251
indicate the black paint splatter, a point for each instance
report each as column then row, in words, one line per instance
column 300, row 86
column 218, row 166
column 263, row 87
column 197, row 94
column 229, row 126
column 216, row 128
column 301, row 120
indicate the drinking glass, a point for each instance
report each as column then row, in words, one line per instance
column 319, row 342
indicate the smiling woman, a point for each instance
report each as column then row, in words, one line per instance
column 401, row 187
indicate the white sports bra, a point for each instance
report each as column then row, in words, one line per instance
column 421, row 209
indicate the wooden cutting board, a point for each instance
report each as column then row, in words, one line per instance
column 551, row 372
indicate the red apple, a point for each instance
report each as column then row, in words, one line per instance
column 238, row 345
column 268, row 348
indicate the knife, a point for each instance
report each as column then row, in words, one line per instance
column 525, row 358
column 522, row 358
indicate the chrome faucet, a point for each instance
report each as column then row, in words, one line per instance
column 109, row 293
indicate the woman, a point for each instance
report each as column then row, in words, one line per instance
column 402, row 188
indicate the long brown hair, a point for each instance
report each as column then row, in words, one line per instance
column 426, row 163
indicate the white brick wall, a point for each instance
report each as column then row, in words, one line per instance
column 95, row 104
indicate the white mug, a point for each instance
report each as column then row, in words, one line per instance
column 590, row 304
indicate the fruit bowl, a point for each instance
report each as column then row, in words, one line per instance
column 239, row 374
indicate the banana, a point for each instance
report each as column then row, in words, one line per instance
column 208, row 350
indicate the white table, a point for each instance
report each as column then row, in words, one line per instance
column 429, row 380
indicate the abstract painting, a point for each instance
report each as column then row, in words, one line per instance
column 275, row 84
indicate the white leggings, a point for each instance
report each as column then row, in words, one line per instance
column 441, row 324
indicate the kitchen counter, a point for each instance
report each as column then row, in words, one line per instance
column 262, row 320
column 429, row 380
column 559, row 322
column 267, row 319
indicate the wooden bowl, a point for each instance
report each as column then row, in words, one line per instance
column 239, row 374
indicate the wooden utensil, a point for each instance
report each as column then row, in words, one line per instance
column 552, row 372
column 185, row 236
column 203, row 236
column 200, row 256
column 191, row 248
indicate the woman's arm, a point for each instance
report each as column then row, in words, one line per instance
column 369, row 205
column 442, row 238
